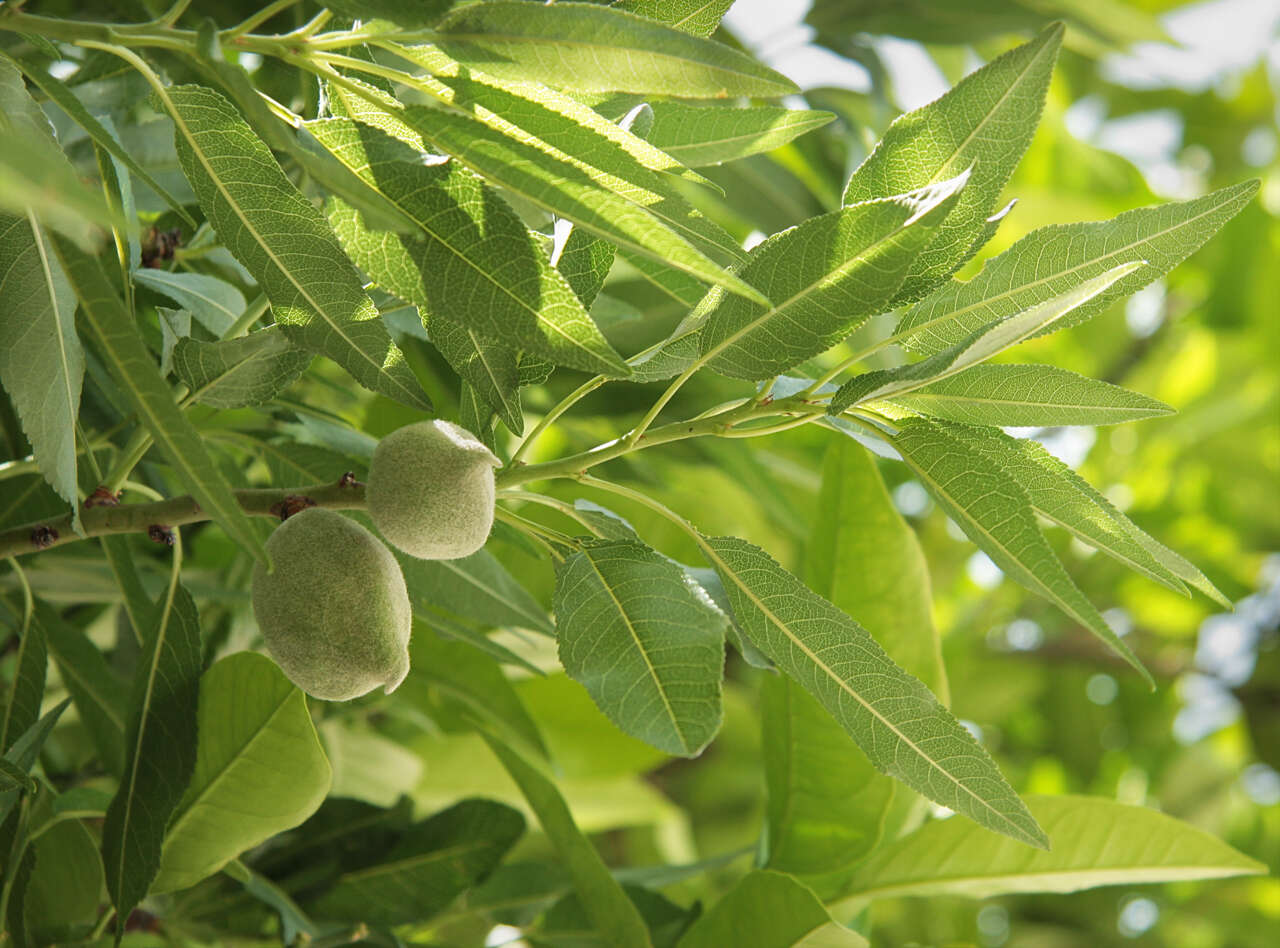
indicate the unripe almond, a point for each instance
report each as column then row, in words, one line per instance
column 334, row 612
column 431, row 490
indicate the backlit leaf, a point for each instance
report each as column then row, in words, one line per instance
column 993, row 509
column 590, row 48
column 1030, row 396
column 985, row 123
column 1053, row 260
column 983, row 343
column 608, row 907
column 478, row 266
column 770, row 910
column 708, row 135
column 1096, row 842
column 826, row 276
column 283, row 240
column 699, row 17
column 41, row 362
column 827, row 806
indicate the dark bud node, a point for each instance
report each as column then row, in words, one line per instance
column 43, row 537
column 291, row 505
column 102, row 497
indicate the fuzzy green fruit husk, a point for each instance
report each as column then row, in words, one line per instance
column 335, row 613
column 431, row 490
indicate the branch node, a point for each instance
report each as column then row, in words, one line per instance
column 43, row 537
column 159, row 533
column 291, row 505
column 102, row 496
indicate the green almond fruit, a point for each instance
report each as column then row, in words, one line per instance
column 431, row 490
column 334, row 610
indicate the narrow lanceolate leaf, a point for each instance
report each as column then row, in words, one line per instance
column 563, row 135
column 984, row 123
column 770, row 910
column 1030, row 396
column 982, row 344
column 825, row 276
column 1095, row 841
column 259, row 770
column 478, row 266
column 709, row 135
column 284, row 241
column 895, row 719
column 589, row 48
column 22, row 709
column 160, row 750
column 1052, row 260
column 41, row 362
column 431, row 864
column 699, row 17
column 115, row 333
column 602, row 897
column 1062, row 496
column 238, row 372
column 558, row 124
column 67, row 101
column 215, row 303
column 35, row 176
column 100, row 696
column 650, row 654
column 493, row 371
column 318, row 165
column 994, row 511
column 549, row 183
column 827, row 806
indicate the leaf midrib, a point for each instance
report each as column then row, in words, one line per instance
column 827, row 280
column 644, row 654
column 183, row 812
column 1023, row 403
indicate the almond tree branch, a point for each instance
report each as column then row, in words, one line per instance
column 158, row 517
